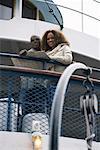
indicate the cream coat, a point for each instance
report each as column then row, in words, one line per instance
column 61, row 53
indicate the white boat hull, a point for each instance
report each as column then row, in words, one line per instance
column 22, row 141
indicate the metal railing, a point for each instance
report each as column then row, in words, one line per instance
column 25, row 92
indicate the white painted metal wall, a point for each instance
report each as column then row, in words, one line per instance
column 22, row 29
column 22, row 141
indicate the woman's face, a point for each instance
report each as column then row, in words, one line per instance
column 51, row 40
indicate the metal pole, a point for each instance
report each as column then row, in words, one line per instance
column 57, row 106
column 17, row 8
column 82, row 14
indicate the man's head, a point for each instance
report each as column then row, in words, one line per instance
column 36, row 42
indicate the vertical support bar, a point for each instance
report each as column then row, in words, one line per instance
column 82, row 15
column 17, row 8
column 9, row 105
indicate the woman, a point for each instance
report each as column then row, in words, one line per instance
column 57, row 47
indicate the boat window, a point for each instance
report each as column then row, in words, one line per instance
column 6, row 9
column 30, row 11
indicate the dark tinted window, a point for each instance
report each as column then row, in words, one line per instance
column 7, row 3
column 30, row 11
column 6, row 9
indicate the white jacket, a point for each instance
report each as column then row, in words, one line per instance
column 62, row 53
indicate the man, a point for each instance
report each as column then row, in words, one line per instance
column 35, row 43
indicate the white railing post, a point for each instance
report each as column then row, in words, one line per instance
column 57, row 106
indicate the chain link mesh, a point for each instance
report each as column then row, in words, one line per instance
column 25, row 97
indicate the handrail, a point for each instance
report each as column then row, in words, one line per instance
column 43, row 60
column 3, row 54
column 57, row 106
column 45, row 72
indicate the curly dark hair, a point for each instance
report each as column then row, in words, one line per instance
column 59, row 38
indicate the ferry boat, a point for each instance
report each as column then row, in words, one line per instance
column 61, row 107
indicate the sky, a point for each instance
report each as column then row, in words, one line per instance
column 75, row 20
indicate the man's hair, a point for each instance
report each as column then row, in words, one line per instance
column 34, row 37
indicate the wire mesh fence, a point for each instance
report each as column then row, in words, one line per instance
column 27, row 96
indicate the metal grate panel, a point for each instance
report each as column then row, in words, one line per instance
column 22, row 94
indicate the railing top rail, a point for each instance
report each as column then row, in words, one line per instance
column 38, row 59
column 43, row 72
column 44, row 60
column 29, row 70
